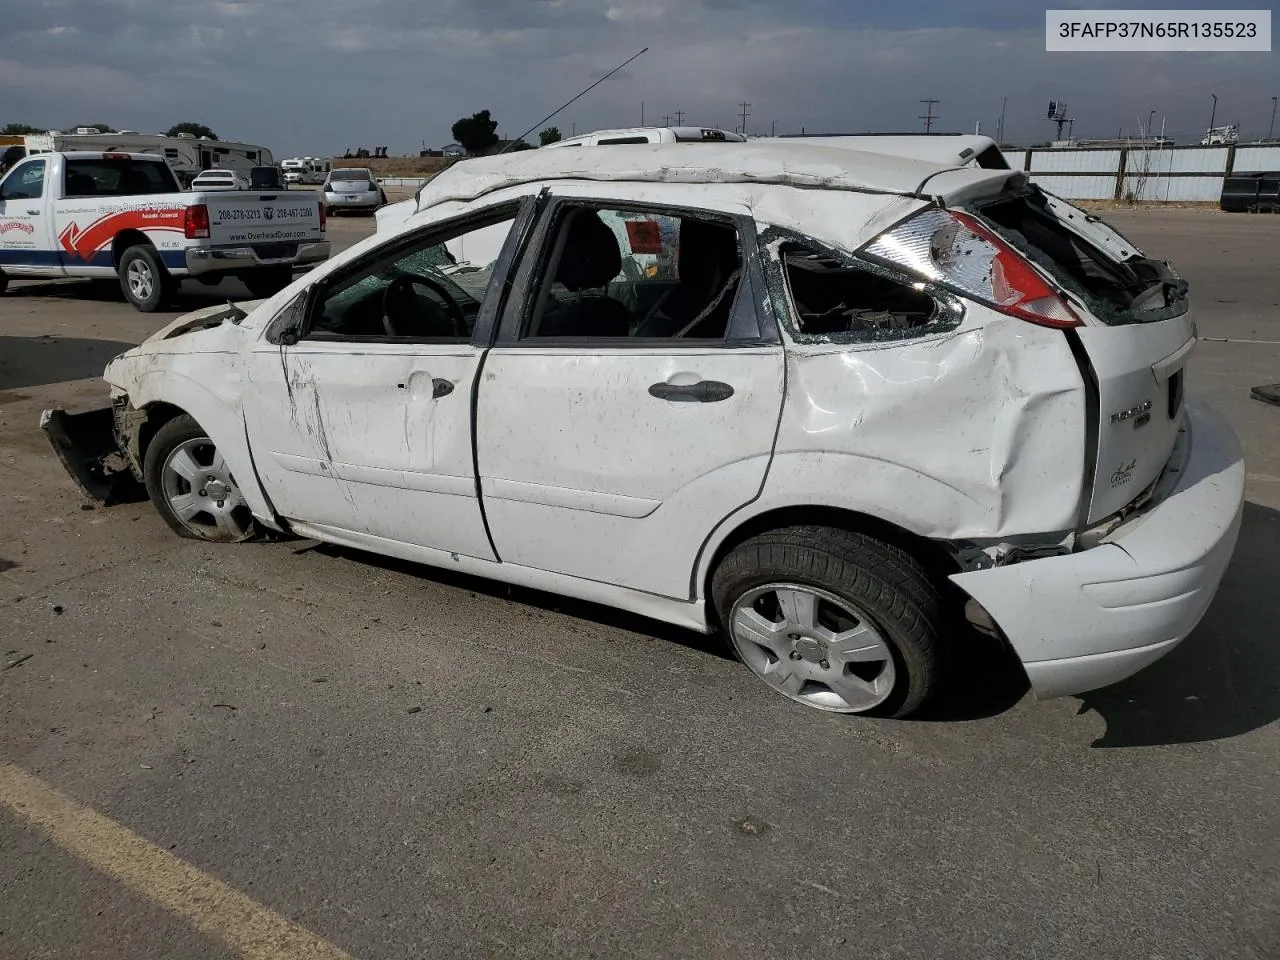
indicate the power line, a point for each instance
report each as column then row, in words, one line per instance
column 928, row 116
column 584, row 92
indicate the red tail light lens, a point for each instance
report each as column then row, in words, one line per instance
column 322, row 218
column 958, row 250
column 195, row 225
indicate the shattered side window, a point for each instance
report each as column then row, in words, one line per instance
column 827, row 296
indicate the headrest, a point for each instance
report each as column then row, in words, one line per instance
column 590, row 256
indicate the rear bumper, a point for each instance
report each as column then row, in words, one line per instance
column 1089, row 619
column 229, row 259
column 352, row 201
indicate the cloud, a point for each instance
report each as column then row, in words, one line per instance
column 311, row 76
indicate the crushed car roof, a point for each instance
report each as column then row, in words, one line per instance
column 795, row 165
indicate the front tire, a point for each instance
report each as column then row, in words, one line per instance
column 191, row 485
column 143, row 278
column 832, row 619
column 4, row 282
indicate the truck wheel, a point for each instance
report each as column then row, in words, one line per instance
column 4, row 281
column 832, row 619
column 191, row 486
column 268, row 281
column 144, row 280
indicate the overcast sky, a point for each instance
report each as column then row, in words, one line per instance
column 316, row 76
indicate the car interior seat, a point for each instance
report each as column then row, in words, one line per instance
column 589, row 259
column 707, row 261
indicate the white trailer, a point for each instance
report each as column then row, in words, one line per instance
column 186, row 155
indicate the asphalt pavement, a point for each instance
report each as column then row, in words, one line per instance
column 285, row 750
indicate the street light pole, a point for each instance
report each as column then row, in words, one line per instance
column 1150, row 118
column 1213, row 116
column 1272, row 132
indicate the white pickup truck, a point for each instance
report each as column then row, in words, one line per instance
column 103, row 215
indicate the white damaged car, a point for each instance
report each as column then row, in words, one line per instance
column 843, row 406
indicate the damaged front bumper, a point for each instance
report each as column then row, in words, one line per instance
column 98, row 450
column 1091, row 618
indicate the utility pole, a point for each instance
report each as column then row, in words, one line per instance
column 1214, row 115
column 679, row 117
column 773, row 124
column 744, row 105
column 642, row 113
column 1272, row 132
column 666, row 119
column 1004, row 104
column 928, row 116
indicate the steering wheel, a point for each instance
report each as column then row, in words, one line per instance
column 398, row 298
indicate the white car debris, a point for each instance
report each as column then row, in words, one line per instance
column 798, row 393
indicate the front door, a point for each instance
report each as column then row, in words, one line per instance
column 26, row 234
column 363, row 424
column 614, row 428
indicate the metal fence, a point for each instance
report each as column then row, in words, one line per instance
column 1163, row 174
column 1160, row 174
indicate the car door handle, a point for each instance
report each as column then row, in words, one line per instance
column 34, row 213
column 440, row 387
column 704, row 391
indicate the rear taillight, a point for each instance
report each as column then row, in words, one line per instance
column 195, row 225
column 957, row 250
column 322, row 218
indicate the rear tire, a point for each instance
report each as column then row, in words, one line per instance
column 268, row 281
column 143, row 278
column 191, row 485
column 4, row 282
column 833, row 619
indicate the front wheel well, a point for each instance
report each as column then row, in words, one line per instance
column 938, row 563
column 157, row 415
column 126, row 239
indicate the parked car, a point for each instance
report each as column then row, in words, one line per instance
column 267, row 178
column 353, row 189
column 207, row 180
column 103, row 215
column 842, row 406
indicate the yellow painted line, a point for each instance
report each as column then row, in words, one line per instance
column 244, row 925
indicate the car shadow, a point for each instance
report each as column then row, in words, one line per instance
column 554, row 603
column 6, row 565
column 1223, row 680
column 37, row 361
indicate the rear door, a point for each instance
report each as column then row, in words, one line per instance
column 610, row 456
column 1135, row 349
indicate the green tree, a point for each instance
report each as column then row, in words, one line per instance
column 550, row 135
column 20, row 129
column 475, row 134
column 195, row 129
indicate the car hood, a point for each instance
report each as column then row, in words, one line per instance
column 205, row 319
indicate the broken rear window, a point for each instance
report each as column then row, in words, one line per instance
column 1137, row 290
column 834, row 298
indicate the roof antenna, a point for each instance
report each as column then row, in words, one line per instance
column 584, row 92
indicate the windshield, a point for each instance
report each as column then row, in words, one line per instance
column 350, row 175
